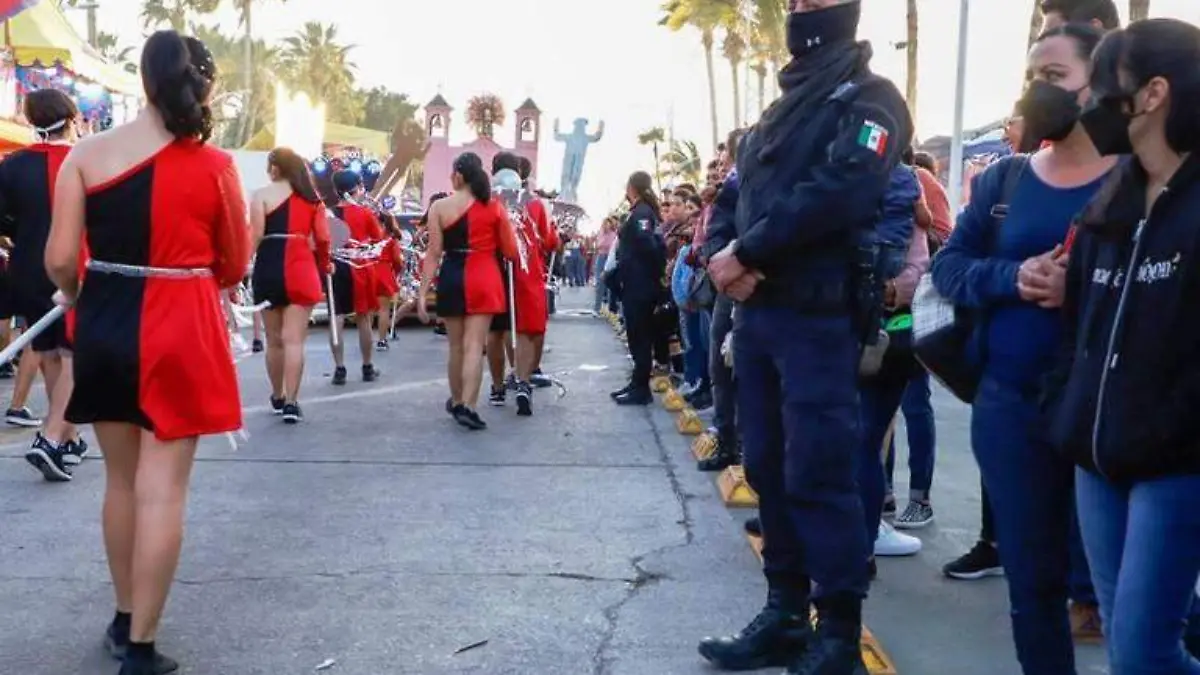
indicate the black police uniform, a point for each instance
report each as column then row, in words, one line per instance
column 641, row 264
column 812, row 177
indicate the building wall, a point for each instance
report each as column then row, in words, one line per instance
column 440, row 159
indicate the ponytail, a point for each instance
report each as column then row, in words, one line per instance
column 643, row 185
column 470, row 168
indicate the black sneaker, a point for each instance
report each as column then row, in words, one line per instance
column 753, row 526
column 44, row 457
column 829, row 655
column 339, row 375
column 277, row 405
column 439, row 329
column 773, row 639
column 21, row 417
column 723, row 457
column 540, row 379
column 498, row 397
column 292, row 413
column 157, row 665
column 450, row 406
column 7, row 372
column 524, row 399
column 916, row 515
column 701, row 400
column 382, row 346
column 75, row 451
column 256, row 346
column 621, row 392
column 370, row 373
column 468, row 418
column 981, row 561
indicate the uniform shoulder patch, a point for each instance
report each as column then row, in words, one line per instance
column 874, row 137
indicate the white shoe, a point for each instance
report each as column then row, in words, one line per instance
column 687, row 388
column 890, row 543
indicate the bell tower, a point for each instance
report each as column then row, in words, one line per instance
column 529, row 132
column 437, row 120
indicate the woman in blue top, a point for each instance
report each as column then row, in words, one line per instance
column 1008, row 263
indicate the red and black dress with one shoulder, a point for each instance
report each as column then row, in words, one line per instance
column 470, row 280
column 292, row 254
column 151, row 345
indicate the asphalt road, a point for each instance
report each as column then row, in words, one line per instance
column 381, row 537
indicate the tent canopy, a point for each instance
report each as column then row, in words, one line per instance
column 43, row 35
column 369, row 140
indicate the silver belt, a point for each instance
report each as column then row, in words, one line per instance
column 282, row 236
column 142, row 271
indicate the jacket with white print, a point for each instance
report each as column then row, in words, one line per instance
column 1124, row 400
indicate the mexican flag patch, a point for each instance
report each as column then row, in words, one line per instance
column 873, row 137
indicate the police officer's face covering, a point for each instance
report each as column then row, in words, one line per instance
column 811, row 29
column 1050, row 112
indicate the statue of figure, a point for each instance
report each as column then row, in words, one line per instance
column 574, row 154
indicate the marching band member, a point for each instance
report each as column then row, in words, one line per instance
column 27, row 180
column 547, row 234
column 470, row 228
column 356, row 284
column 390, row 267
column 287, row 223
column 528, row 216
column 165, row 221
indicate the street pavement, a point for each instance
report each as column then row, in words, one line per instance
column 378, row 537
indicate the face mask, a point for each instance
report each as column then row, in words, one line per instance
column 1049, row 112
column 809, row 31
column 1107, row 124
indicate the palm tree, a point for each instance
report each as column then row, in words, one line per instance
column 705, row 16
column 1139, row 9
column 767, row 43
column 910, row 48
column 316, row 63
column 245, row 15
column 734, row 51
column 682, row 162
column 253, row 112
column 109, row 47
column 653, row 137
column 174, row 14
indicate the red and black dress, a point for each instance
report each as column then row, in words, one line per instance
column 151, row 345
column 293, row 250
column 27, row 180
column 356, row 283
column 469, row 280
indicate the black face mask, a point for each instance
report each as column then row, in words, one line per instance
column 1050, row 112
column 1107, row 124
column 809, row 31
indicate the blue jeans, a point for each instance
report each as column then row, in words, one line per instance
column 880, row 401
column 1143, row 541
column 696, row 327
column 601, row 288
column 917, row 406
column 724, row 389
column 797, row 414
column 1030, row 487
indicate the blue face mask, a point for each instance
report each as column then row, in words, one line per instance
column 809, row 31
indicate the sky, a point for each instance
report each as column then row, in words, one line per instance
column 609, row 60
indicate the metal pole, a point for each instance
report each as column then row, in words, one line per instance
column 956, row 140
column 334, row 336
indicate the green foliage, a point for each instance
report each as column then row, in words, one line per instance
column 382, row 109
column 315, row 62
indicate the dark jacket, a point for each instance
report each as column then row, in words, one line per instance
column 1125, row 398
column 641, row 257
column 721, row 226
column 801, row 216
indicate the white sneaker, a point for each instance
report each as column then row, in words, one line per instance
column 687, row 389
column 890, row 543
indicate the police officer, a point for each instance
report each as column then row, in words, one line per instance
column 641, row 266
column 812, row 175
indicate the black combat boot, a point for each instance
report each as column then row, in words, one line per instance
column 779, row 635
column 836, row 648
column 724, row 456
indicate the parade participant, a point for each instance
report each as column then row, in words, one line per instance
column 287, row 224
column 27, row 179
column 468, row 231
column 547, row 232
column 1123, row 396
column 357, row 286
column 1007, row 247
column 528, row 216
column 166, row 229
column 640, row 268
column 828, row 145
column 390, row 268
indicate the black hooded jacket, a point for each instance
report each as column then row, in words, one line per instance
column 1125, row 399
